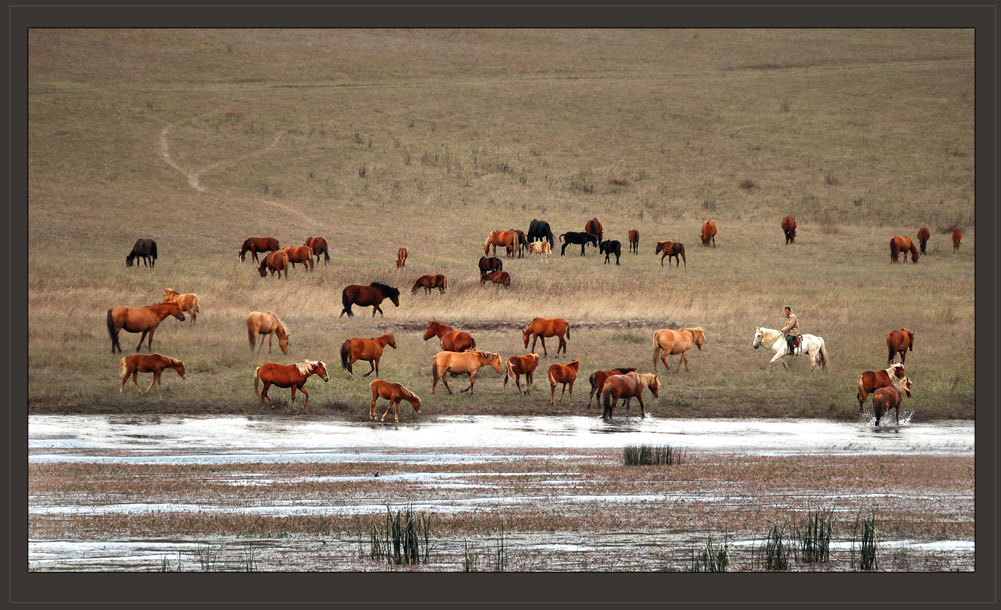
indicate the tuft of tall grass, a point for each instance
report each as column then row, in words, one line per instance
column 501, row 555
column 468, row 557
column 406, row 538
column 647, row 455
column 815, row 538
column 865, row 534
column 711, row 557
column 776, row 550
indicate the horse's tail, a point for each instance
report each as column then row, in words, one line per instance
column 111, row 330
column 861, row 388
column 893, row 250
column 472, row 343
column 121, row 367
column 194, row 304
column 257, row 377
column 607, row 400
column 510, row 371
column 326, row 255
column 153, row 250
column 346, row 301
column 561, row 236
column 434, row 371
column 444, row 282
column 568, row 330
column 681, row 251
column 823, row 356
column 552, row 380
column 345, row 352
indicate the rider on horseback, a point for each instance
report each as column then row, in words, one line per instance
column 791, row 329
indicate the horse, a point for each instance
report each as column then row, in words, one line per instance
column 187, row 301
column 276, row 262
column 594, row 227
column 260, row 324
column 901, row 341
column 299, row 254
column 427, row 282
column 459, row 363
column 900, row 244
column 789, row 228
column 609, row 247
column 518, row 366
column 628, row 386
column 540, row 249
column 508, row 239
column 133, row 364
column 574, row 237
column 369, row 350
column 597, row 381
column 709, row 233
column 258, row 244
column 401, row 258
column 890, row 397
column 288, row 376
column 674, row 249
column 490, row 264
column 547, row 327
column 923, row 236
column 870, row 381
column 451, row 340
column 565, row 374
column 497, row 277
column 539, row 230
column 319, row 246
column 522, row 242
column 673, row 342
column 634, row 241
column 363, row 296
column 811, row 345
column 139, row 320
column 144, row 249
column 393, row 392
column 957, row 237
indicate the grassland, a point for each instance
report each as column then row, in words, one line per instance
column 428, row 139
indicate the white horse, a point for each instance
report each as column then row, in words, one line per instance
column 811, row 345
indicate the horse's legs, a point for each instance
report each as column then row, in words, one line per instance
column 372, row 367
column 376, row 308
column 552, row 392
column 264, row 394
column 639, row 397
column 571, row 394
column 135, row 379
column 684, row 356
column 562, row 345
column 270, row 335
column 150, row 344
column 778, row 356
column 544, row 352
column 563, row 391
column 444, row 380
column 150, row 386
column 141, row 339
column 534, row 339
column 529, row 378
column 472, row 380
column 371, row 407
column 903, row 355
column 305, row 393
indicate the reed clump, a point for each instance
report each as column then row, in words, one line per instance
column 648, row 455
column 815, row 538
column 711, row 557
column 865, row 535
column 405, row 538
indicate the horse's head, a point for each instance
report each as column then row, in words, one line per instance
column 263, row 267
column 898, row 370
column 910, row 339
column 414, row 399
column 654, row 386
column 493, row 360
column 905, row 386
column 320, row 370
column 179, row 367
column 283, row 342
column 395, row 298
column 526, row 334
column 391, row 340
column 661, row 245
column 574, row 364
column 699, row 336
column 757, row 338
column 432, row 329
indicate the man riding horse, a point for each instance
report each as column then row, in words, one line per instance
column 791, row 329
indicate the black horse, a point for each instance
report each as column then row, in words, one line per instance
column 611, row 246
column 489, row 265
column 145, row 249
column 538, row 230
column 522, row 243
column 363, row 296
column 578, row 237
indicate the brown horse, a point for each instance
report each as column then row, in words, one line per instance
column 900, row 244
column 459, row 363
column 144, row 249
column 628, row 386
column 565, row 374
column 789, row 228
column 188, row 302
column 547, row 327
column 451, row 340
column 288, row 376
column 521, row 365
column 709, row 233
column 258, row 244
column 673, row 342
column 401, row 258
column 923, row 236
column 299, row 254
column 634, row 241
column 276, row 262
column 502, row 278
column 487, row 265
column 393, row 392
column 134, row 364
column 957, row 238
column 260, row 324
column 674, row 249
column 890, row 397
column 598, row 378
column 319, row 246
column 508, row 239
column 427, row 282
column 870, row 381
column 522, row 242
column 594, row 228
column 901, row 341
column 369, row 350
column 363, row 296
column 139, row 320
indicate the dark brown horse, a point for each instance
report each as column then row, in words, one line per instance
column 139, row 320
column 363, row 296
column 673, row 249
column 709, row 233
column 490, row 264
column 547, row 327
column 451, row 340
column 394, row 393
column 594, row 227
column 276, row 262
column 899, row 341
column 288, row 376
column 628, row 386
column 133, row 364
column 319, row 246
column 427, row 282
column 634, row 241
column 144, row 249
column 521, row 365
column 497, row 277
column 565, row 374
column 900, row 244
column 789, row 228
column 597, row 380
column 299, row 254
column 890, row 397
column 957, row 238
column 258, row 244
column 923, row 236
column 870, row 381
column 370, row 350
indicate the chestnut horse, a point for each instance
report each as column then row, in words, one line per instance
column 789, row 228
column 521, row 241
column 490, row 264
column 459, row 363
column 134, row 364
column 870, row 381
column 540, row 249
column 890, row 397
column 299, row 254
column 594, row 228
column 401, row 258
column 260, row 324
column 276, row 262
column 319, row 246
column 634, row 241
column 508, row 239
column 673, row 342
column 709, row 233
column 521, row 365
column 288, row 376
column 923, row 236
column 188, row 302
column 598, row 378
column 451, row 340
column 674, row 249
column 565, row 374
column 957, row 237
column 369, row 350
column 363, row 296
column 628, row 386
column 258, row 244
column 427, row 282
column 547, row 327
column 139, row 320
column 900, row 244
column 393, row 392
column 901, row 341
column 497, row 277
column 144, row 249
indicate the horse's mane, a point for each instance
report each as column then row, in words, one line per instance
column 386, row 289
column 307, row 367
column 171, row 361
column 281, row 325
column 644, row 378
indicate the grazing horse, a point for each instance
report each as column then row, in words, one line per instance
column 899, row 341
column 597, row 381
column 540, row 249
column 538, row 230
column 276, row 262
column 522, row 242
column 923, row 236
column 890, row 397
column 634, row 241
column 288, row 376
column 187, row 301
column 547, row 327
column 565, row 374
column 628, row 386
column 789, row 228
column 673, row 342
column 260, row 324
column 258, row 244
column 370, row 350
column 144, row 249
column 518, row 366
column 612, row 246
column 401, row 258
column 393, row 392
column 673, row 249
column 459, row 363
column 363, row 296
column 709, row 233
column 139, row 320
column 594, row 228
column 957, row 237
column 811, row 345
column 497, row 277
column 427, row 282
column 451, row 340
column 574, row 237
column 319, row 246
column 900, row 244
column 134, row 364
column 299, row 254
column 870, row 381
column 508, row 239
column 490, row 264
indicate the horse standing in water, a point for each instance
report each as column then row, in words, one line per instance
column 133, row 364
column 188, row 302
column 369, row 350
column 144, row 249
column 547, row 327
column 451, row 340
column 258, row 244
column 260, row 324
column 789, row 228
column 811, row 345
column 634, row 241
column 890, row 397
column 870, row 381
column 139, row 320
column 629, row 386
column 598, row 379
column 923, row 236
column 319, row 246
column 899, row 341
column 394, row 393
column 288, row 376
column 363, row 296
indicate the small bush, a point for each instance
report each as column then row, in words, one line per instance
column 748, row 184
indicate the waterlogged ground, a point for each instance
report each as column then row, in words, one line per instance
column 518, row 493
